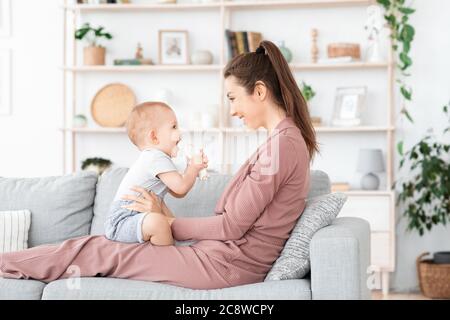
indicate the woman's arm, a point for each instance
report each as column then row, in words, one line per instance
column 256, row 191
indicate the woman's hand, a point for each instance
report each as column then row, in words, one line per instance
column 146, row 202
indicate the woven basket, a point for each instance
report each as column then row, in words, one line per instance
column 112, row 105
column 434, row 278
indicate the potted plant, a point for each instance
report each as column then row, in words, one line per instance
column 426, row 198
column 308, row 93
column 98, row 165
column 94, row 53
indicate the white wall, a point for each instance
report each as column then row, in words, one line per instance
column 30, row 143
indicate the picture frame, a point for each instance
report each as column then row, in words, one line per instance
column 5, row 18
column 173, row 47
column 5, row 82
column 348, row 106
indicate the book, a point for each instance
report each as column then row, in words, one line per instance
column 254, row 39
column 246, row 47
column 232, row 43
column 132, row 62
column 340, row 186
column 240, row 42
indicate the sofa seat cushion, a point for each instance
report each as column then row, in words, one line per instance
column 61, row 207
column 12, row 289
column 110, row 288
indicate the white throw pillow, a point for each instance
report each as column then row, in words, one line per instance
column 14, row 227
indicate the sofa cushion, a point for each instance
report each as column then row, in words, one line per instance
column 294, row 261
column 61, row 207
column 320, row 184
column 200, row 201
column 110, row 288
column 14, row 226
column 13, row 289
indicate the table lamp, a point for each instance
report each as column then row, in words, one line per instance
column 370, row 161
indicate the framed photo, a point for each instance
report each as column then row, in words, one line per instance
column 5, row 82
column 349, row 103
column 5, row 18
column 173, row 47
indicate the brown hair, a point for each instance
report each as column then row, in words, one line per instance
column 268, row 65
column 143, row 116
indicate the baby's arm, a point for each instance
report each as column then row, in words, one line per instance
column 177, row 183
column 180, row 184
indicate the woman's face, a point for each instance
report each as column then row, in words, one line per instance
column 248, row 107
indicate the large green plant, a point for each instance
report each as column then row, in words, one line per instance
column 397, row 15
column 426, row 192
column 91, row 35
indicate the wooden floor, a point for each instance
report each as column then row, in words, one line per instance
column 377, row 295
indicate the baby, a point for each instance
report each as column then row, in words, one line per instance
column 152, row 127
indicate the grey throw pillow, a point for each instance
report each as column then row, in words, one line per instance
column 294, row 262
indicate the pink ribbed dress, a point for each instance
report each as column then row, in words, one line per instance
column 254, row 218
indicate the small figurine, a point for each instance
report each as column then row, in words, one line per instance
column 373, row 26
column 314, row 48
column 139, row 54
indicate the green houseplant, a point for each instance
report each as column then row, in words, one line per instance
column 426, row 201
column 94, row 53
column 309, row 93
column 426, row 192
column 98, row 165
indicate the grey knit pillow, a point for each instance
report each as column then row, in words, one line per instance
column 319, row 212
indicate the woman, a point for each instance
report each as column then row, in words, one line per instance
column 254, row 215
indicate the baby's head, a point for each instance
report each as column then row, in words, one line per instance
column 154, row 124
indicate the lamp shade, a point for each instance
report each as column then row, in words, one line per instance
column 370, row 160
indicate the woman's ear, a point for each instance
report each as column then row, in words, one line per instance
column 260, row 91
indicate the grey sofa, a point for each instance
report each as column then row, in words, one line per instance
column 75, row 205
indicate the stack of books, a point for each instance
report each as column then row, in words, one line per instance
column 242, row 41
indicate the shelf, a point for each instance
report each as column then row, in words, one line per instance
column 141, row 7
column 122, row 130
column 367, row 192
column 217, row 67
column 147, row 68
column 353, row 129
column 216, row 5
column 230, row 130
column 294, row 4
column 330, row 66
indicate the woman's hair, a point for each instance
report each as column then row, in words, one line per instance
column 268, row 65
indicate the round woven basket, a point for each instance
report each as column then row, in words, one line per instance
column 434, row 278
column 112, row 105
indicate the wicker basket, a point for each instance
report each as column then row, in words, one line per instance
column 434, row 278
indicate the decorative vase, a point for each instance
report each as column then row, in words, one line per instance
column 287, row 53
column 94, row 56
column 370, row 182
column 79, row 121
column 202, row 57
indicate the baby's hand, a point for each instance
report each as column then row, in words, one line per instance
column 199, row 161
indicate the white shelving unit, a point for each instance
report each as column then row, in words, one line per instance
column 382, row 223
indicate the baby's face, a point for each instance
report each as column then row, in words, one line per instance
column 168, row 133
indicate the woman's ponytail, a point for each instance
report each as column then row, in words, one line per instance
column 267, row 64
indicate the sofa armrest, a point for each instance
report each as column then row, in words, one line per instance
column 340, row 257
